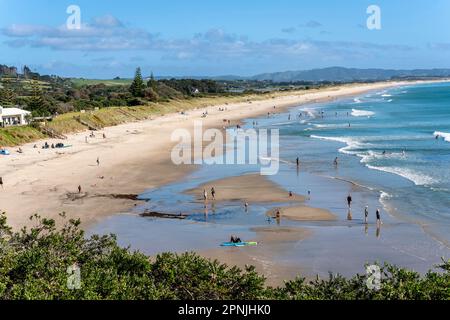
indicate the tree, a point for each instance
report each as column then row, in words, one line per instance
column 36, row 102
column 7, row 95
column 152, row 83
column 137, row 86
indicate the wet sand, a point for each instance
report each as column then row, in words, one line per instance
column 251, row 188
column 272, row 243
column 302, row 213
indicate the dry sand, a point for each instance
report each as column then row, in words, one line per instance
column 134, row 157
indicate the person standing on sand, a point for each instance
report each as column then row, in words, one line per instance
column 205, row 195
column 366, row 214
column 1, row 181
column 379, row 223
column 213, row 193
column 79, row 189
column 98, row 161
column 298, row 162
column 349, row 201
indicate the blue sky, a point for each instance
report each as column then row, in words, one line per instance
column 216, row 37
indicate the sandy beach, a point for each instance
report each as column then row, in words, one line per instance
column 132, row 158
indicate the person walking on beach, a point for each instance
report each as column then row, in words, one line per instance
column 98, row 161
column 79, row 189
column 205, row 195
column 336, row 161
column 379, row 223
column 1, row 181
column 213, row 193
column 366, row 214
column 349, row 201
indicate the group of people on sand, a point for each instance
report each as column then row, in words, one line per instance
column 366, row 212
column 205, row 194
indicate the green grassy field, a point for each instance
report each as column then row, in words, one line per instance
column 112, row 82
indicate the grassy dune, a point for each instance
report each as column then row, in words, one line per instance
column 13, row 136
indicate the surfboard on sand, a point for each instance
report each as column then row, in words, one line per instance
column 239, row 244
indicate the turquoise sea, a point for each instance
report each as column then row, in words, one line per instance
column 395, row 141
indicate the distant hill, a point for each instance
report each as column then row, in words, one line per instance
column 349, row 74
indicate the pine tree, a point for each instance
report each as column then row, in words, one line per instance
column 152, row 83
column 7, row 95
column 137, row 86
column 36, row 103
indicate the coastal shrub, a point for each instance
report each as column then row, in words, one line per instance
column 40, row 262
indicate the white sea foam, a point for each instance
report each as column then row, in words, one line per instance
column 390, row 100
column 351, row 144
column 370, row 155
column 386, row 95
column 362, row 113
column 417, row 178
column 309, row 112
column 444, row 135
column 357, row 100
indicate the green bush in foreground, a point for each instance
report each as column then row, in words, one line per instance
column 34, row 265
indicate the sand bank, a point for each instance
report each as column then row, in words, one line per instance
column 302, row 213
column 250, row 188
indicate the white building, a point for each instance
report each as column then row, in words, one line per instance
column 13, row 117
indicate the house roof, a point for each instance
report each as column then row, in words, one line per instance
column 12, row 111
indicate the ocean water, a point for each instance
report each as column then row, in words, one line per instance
column 395, row 142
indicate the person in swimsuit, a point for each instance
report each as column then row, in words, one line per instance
column 213, row 193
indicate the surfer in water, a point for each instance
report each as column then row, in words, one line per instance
column 298, row 162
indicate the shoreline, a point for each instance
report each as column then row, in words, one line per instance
column 133, row 158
